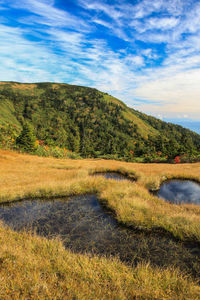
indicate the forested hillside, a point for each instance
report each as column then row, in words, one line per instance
column 89, row 122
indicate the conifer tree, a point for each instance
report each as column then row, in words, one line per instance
column 26, row 140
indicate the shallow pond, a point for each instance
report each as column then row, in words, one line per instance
column 84, row 226
column 180, row 191
column 113, row 175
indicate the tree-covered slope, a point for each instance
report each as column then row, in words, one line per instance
column 88, row 121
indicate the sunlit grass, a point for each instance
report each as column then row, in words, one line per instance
column 25, row 176
column 40, row 269
column 36, row 268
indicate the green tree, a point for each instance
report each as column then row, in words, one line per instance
column 187, row 145
column 74, row 140
column 26, row 140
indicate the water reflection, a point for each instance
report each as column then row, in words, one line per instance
column 180, row 191
column 113, row 175
column 83, row 225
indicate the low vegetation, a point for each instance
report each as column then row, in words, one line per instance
column 36, row 268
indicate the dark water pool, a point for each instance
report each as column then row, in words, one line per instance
column 84, row 226
column 180, row 191
column 113, row 175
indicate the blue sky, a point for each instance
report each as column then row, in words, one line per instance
column 147, row 53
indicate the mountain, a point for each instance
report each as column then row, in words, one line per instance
column 88, row 121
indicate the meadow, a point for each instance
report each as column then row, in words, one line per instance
column 34, row 267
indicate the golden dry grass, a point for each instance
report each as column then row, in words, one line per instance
column 32, row 267
column 20, row 86
column 26, row 176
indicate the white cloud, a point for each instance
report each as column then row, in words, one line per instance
column 47, row 14
column 147, row 7
column 149, row 53
column 159, row 116
column 177, row 92
column 68, row 51
column 135, row 60
column 155, row 24
column 110, row 10
column 102, row 22
column 162, row 23
column 30, row 62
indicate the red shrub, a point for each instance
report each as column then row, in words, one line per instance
column 177, row 160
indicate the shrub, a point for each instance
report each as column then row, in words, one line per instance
column 177, row 160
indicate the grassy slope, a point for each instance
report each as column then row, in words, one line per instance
column 143, row 128
column 143, row 121
column 35, row 268
column 32, row 89
column 7, row 113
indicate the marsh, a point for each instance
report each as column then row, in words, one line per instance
column 84, row 225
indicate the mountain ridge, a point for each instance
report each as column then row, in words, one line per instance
column 91, row 122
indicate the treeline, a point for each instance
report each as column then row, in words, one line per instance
column 172, row 139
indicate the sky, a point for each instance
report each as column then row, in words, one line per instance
column 146, row 52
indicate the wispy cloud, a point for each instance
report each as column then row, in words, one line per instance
column 111, row 11
column 30, row 62
column 146, row 50
column 1, row 4
column 161, row 23
column 47, row 14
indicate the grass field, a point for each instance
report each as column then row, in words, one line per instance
column 36, row 268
